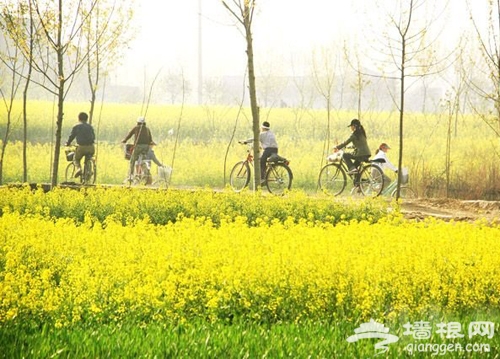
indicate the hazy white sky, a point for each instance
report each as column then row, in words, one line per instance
column 167, row 33
column 285, row 32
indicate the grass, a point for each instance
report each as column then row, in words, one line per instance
column 237, row 340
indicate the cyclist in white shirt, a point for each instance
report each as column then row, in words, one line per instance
column 269, row 144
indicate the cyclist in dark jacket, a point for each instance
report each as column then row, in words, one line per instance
column 142, row 141
column 84, row 134
column 361, row 150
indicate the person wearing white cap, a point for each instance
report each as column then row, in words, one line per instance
column 384, row 162
column 142, row 141
column 269, row 145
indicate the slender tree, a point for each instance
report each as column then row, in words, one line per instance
column 173, row 86
column 10, row 80
column 17, row 27
column 325, row 76
column 32, row 32
column 71, row 35
column 486, row 82
column 106, row 33
column 408, row 45
column 243, row 11
column 61, row 24
column 453, row 103
column 304, row 88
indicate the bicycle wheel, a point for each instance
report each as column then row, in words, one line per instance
column 278, row 178
column 160, row 183
column 240, row 176
column 89, row 172
column 371, row 180
column 139, row 180
column 332, row 179
column 404, row 192
column 70, row 173
column 147, row 173
column 142, row 173
column 163, row 177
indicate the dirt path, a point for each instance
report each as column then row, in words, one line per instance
column 450, row 209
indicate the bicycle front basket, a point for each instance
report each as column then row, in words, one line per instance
column 334, row 157
column 129, row 148
column 70, row 155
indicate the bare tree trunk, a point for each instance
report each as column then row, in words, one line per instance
column 25, row 129
column 401, row 116
column 253, row 100
column 9, row 105
column 60, row 97
column 8, row 101
column 448, row 149
column 93, row 84
column 324, row 82
column 59, row 122
column 25, row 126
column 25, row 93
column 5, row 139
column 93, row 88
column 243, row 12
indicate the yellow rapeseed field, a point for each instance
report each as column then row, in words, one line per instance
column 56, row 270
column 200, row 143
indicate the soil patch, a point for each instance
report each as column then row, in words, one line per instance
column 451, row 209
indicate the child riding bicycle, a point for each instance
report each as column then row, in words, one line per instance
column 384, row 162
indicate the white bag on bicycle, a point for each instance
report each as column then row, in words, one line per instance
column 404, row 175
column 164, row 172
column 334, row 157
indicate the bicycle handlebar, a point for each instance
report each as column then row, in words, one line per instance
column 246, row 142
column 347, row 148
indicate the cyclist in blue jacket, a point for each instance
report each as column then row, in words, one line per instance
column 84, row 134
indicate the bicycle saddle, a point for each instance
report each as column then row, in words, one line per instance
column 276, row 158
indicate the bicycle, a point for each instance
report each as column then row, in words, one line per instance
column 142, row 171
column 368, row 178
column 89, row 173
column 142, row 168
column 405, row 191
column 278, row 177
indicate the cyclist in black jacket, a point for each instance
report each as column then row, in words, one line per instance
column 84, row 134
column 142, row 142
